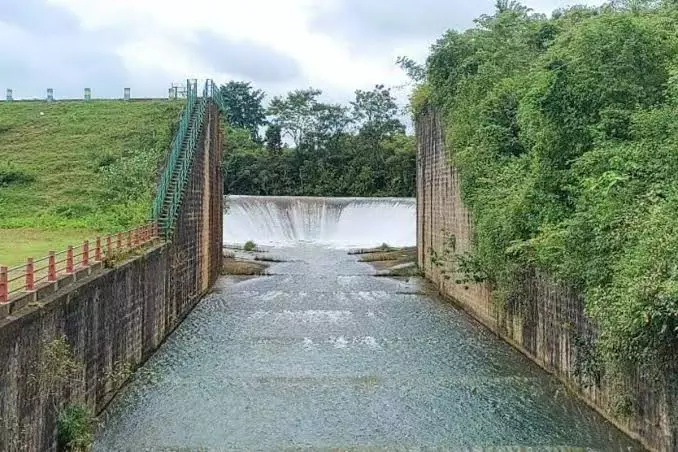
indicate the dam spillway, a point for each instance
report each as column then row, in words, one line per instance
column 337, row 222
column 323, row 355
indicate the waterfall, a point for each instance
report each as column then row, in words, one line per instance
column 338, row 222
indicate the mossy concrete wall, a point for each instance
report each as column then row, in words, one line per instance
column 115, row 317
column 546, row 321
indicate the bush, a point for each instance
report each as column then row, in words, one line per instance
column 104, row 160
column 74, row 429
column 250, row 246
column 14, row 176
column 57, row 366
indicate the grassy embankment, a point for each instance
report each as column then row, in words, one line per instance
column 70, row 171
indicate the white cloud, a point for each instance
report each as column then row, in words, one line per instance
column 326, row 39
column 157, row 33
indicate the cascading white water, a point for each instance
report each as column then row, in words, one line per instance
column 338, row 222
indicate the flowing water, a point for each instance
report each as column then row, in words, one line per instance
column 324, row 355
column 338, row 222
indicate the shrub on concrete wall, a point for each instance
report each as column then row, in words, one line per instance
column 75, row 429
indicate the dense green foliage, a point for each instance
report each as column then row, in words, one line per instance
column 75, row 427
column 244, row 107
column 565, row 133
column 335, row 150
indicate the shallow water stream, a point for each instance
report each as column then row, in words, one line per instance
column 324, row 355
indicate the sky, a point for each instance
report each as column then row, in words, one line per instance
column 337, row 46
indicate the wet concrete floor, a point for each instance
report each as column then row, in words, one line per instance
column 322, row 355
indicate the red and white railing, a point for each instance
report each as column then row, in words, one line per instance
column 36, row 273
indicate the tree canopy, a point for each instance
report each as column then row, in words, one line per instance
column 244, row 107
column 313, row 148
column 565, row 132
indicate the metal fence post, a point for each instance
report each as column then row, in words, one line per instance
column 85, row 253
column 30, row 276
column 69, row 260
column 97, row 250
column 3, row 285
column 51, row 267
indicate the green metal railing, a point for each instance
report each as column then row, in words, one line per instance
column 175, row 147
column 182, row 151
column 186, row 163
column 217, row 97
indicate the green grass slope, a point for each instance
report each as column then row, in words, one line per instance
column 74, row 169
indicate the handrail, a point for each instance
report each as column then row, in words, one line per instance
column 186, row 165
column 175, row 146
column 166, row 204
column 35, row 273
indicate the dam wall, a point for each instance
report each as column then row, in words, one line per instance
column 547, row 321
column 113, row 319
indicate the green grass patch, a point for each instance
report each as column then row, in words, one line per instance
column 67, row 169
column 18, row 244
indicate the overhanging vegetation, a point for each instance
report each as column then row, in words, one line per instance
column 564, row 130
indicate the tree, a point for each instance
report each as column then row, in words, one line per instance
column 376, row 112
column 563, row 133
column 244, row 107
column 238, row 140
column 274, row 138
column 329, row 121
column 295, row 113
column 415, row 71
column 510, row 5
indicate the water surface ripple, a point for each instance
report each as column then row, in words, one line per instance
column 324, row 355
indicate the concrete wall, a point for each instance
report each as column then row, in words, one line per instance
column 113, row 317
column 546, row 321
